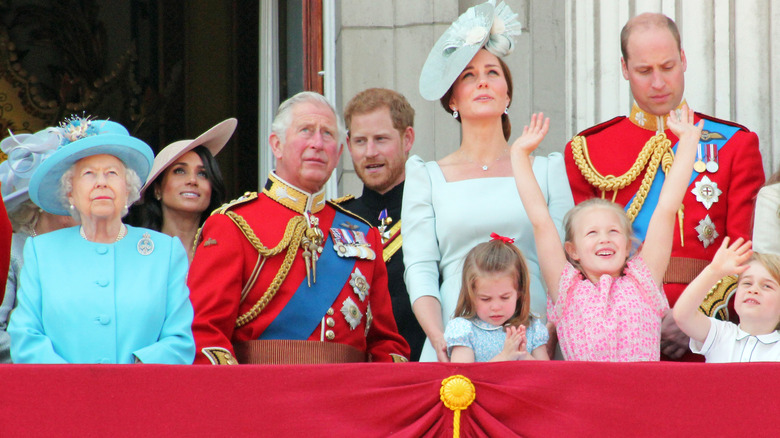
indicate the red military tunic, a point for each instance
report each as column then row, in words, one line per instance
column 5, row 246
column 613, row 147
column 225, row 260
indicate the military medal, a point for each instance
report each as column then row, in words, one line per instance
column 384, row 222
column 351, row 243
column 369, row 319
column 706, row 191
column 707, row 231
column 712, row 158
column 699, row 165
column 311, row 243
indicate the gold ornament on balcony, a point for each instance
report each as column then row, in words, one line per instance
column 457, row 393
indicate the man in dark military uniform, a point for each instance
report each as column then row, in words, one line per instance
column 624, row 160
column 283, row 276
column 380, row 123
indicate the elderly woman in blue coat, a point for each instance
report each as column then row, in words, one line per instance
column 101, row 292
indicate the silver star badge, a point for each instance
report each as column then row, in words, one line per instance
column 707, row 231
column 359, row 284
column 706, row 191
column 351, row 313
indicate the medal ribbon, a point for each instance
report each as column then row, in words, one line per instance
column 305, row 310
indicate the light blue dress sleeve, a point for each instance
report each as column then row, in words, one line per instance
column 458, row 334
column 418, row 230
column 558, row 193
column 176, row 344
column 29, row 344
column 536, row 334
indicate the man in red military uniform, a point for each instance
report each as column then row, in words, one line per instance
column 284, row 266
column 623, row 159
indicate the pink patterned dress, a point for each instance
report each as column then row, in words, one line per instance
column 616, row 320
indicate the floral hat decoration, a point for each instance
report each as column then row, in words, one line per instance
column 25, row 153
column 81, row 137
column 485, row 25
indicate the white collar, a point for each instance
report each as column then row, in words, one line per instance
column 769, row 338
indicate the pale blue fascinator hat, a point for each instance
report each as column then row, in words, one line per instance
column 25, row 153
column 485, row 25
column 81, row 137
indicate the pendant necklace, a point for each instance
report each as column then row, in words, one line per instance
column 485, row 166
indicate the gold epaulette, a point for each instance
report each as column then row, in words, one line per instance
column 344, row 198
column 349, row 213
column 716, row 303
column 246, row 197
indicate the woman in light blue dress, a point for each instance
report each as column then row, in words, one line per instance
column 101, row 292
column 455, row 203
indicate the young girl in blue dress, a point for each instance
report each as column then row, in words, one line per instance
column 493, row 321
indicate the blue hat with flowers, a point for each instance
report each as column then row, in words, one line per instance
column 485, row 25
column 81, row 137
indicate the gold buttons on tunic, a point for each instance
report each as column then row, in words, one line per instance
column 330, row 335
column 330, row 321
column 331, row 311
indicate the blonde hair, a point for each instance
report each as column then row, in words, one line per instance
column 590, row 204
column 495, row 257
column 24, row 217
column 770, row 262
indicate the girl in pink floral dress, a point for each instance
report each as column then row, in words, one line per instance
column 606, row 306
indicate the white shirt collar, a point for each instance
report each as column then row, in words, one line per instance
column 769, row 338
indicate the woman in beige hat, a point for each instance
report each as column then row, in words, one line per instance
column 185, row 185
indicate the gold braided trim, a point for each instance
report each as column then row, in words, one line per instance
column 716, row 303
column 198, row 235
column 394, row 245
column 657, row 150
column 344, row 198
column 248, row 196
column 291, row 240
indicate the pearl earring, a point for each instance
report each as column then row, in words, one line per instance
column 455, row 114
column 506, row 110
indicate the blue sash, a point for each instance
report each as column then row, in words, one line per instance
column 308, row 305
column 643, row 218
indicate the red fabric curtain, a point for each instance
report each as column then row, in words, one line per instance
column 512, row 399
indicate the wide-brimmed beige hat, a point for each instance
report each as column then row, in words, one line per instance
column 214, row 140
